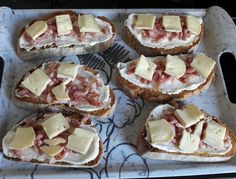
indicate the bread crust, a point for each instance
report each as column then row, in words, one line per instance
column 135, row 91
column 31, row 103
column 150, row 152
column 54, row 51
column 90, row 164
column 133, row 42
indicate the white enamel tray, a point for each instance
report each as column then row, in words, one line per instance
column 118, row 132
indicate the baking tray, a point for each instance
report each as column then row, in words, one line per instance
column 119, row 132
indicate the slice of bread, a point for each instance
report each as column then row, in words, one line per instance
column 132, row 40
column 36, row 103
column 77, row 119
column 149, row 151
column 154, row 94
column 53, row 50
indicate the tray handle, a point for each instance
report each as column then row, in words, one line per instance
column 228, row 68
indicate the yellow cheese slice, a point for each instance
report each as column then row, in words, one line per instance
column 87, row 23
column 55, row 125
column 145, row 68
column 160, row 131
column 55, row 141
column 37, row 29
column 172, row 23
column 80, row 140
column 36, row 82
column 214, row 135
column 193, row 24
column 145, row 21
column 189, row 115
column 64, row 24
column 175, row 66
column 60, row 92
column 51, row 150
column 67, row 70
column 24, row 138
column 189, row 142
column 203, row 65
column 198, row 128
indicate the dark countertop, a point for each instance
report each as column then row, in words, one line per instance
column 83, row 4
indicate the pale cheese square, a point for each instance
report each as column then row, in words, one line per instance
column 80, row 140
column 145, row 68
column 36, row 82
column 214, row 135
column 60, row 92
column 172, row 23
column 145, row 21
column 36, row 29
column 24, row 138
column 67, row 70
column 189, row 115
column 189, row 142
column 203, row 65
column 175, row 66
column 160, row 131
column 193, row 24
column 51, row 150
column 87, row 23
column 55, row 125
column 64, row 24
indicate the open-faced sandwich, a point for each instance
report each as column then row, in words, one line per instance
column 160, row 34
column 65, row 86
column 165, row 78
column 54, row 139
column 65, row 33
column 185, row 134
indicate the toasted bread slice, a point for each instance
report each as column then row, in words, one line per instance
column 62, row 159
column 161, row 91
column 100, row 103
column 54, row 50
column 204, row 153
column 181, row 42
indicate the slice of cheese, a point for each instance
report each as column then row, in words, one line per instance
column 203, row 65
column 189, row 142
column 55, row 125
column 36, row 82
column 87, row 23
column 36, row 29
column 199, row 128
column 175, row 66
column 67, row 70
column 80, row 140
column 51, row 150
column 172, row 23
column 214, row 135
column 189, row 115
column 145, row 68
column 193, row 24
column 145, row 21
column 60, row 92
column 160, row 131
column 55, row 141
column 64, row 24
column 24, row 138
